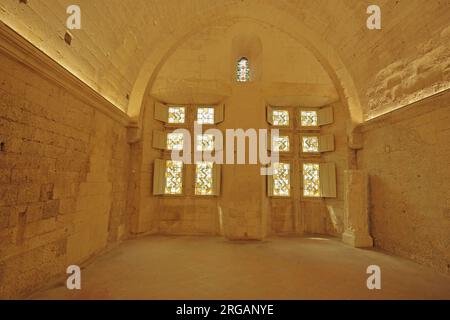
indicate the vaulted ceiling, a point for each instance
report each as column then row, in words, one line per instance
column 122, row 44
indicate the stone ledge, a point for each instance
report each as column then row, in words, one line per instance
column 18, row 48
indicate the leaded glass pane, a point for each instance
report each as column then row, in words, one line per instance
column 177, row 114
column 280, row 144
column 205, row 115
column 175, row 141
column 310, row 144
column 311, row 180
column 204, row 178
column 174, row 177
column 280, row 117
column 281, row 179
column 308, row 118
column 205, row 142
column 243, row 70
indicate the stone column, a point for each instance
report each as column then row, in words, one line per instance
column 356, row 213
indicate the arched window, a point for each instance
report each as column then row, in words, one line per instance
column 243, row 70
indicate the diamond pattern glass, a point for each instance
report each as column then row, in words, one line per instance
column 177, row 114
column 281, row 179
column 175, row 141
column 205, row 115
column 280, row 144
column 204, row 178
column 311, row 180
column 205, row 142
column 280, row 117
column 308, row 118
column 310, row 144
column 174, row 177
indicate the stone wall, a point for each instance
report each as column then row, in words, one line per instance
column 63, row 178
column 413, row 77
column 406, row 154
column 243, row 206
column 141, row 202
column 299, row 79
column 376, row 59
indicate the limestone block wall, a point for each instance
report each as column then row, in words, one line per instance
column 406, row 154
column 190, row 215
column 142, row 205
column 412, row 77
column 63, row 178
column 243, row 200
column 407, row 26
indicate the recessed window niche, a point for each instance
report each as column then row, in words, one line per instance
column 246, row 56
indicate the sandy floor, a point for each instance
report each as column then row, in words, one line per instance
column 160, row 267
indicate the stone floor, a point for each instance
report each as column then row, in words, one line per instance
column 160, row 267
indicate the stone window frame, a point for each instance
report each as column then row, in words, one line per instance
column 189, row 169
column 284, row 157
column 217, row 168
column 296, row 156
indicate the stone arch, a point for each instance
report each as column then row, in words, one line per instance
column 323, row 52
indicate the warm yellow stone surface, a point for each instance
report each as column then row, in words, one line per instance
column 406, row 155
column 63, row 169
column 212, row 272
column 126, row 57
column 77, row 156
column 356, row 212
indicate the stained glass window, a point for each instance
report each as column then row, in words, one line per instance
column 280, row 144
column 310, row 144
column 311, row 180
column 204, row 178
column 177, row 114
column 174, row 177
column 205, row 115
column 308, row 118
column 280, row 117
column 243, row 70
column 281, row 179
column 205, row 142
column 175, row 141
